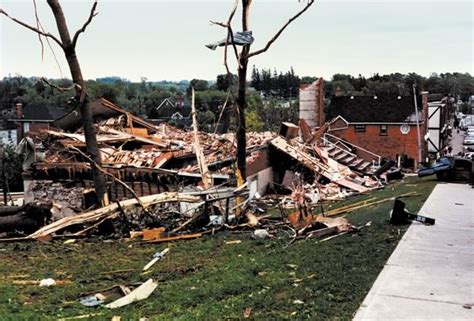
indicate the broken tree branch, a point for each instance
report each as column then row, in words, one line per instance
column 230, row 35
column 91, row 16
column 72, row 87
column 21, row 23
column 279, row 32
column 38, row 27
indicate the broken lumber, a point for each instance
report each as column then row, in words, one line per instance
column 175, row 238
column 322, row 232
column 156, row 257
column 140, row 293
column 206, row 177
column 354, row 204
column 315, row 165
column 348, row 208
column 112, row 211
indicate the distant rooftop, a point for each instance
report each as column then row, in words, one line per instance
column 372, row 109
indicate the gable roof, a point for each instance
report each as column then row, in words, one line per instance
column 42, row 112
column 367, row 109
column 168, row 107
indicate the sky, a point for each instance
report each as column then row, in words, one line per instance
column 164, row 39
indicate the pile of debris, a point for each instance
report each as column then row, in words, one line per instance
column 159, row 190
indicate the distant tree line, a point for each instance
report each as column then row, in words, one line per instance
column 455, row 84
column 276, row 84
column 273, row 96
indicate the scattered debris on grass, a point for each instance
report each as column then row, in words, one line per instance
column 47, row 282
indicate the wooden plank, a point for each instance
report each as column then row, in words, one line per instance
column 140, row 293
column 175, row 238
column 206, row 177
column 112, row 211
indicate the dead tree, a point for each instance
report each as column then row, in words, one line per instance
column 68, row 45
column 243, row 60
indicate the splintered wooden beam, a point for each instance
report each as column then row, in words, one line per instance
column 112, row 211
column 204, row 170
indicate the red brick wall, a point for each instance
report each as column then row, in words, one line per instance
column 387, row 146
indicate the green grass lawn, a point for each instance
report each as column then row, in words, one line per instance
column 207, row 279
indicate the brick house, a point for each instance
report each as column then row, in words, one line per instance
column 383, row 125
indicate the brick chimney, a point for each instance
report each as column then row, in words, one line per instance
column 424, row 105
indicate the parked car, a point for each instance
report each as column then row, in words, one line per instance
column 441, row 165
column 450, row 169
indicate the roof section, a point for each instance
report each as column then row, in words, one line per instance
column 42, row 111
column 368, row 109
column 101, row 109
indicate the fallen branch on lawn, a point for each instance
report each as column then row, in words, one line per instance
column 112, row 211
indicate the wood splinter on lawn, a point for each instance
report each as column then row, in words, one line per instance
column 156, row 257
column 140, row 293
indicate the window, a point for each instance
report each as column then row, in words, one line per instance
column 359, row 128
column 383, row 130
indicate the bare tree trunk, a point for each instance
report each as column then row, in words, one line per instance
column 88, row 123
column 241, row 125
column 241, row 101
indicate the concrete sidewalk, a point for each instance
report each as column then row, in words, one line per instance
column 430, row 275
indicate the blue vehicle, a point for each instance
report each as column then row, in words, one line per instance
column 441, row 165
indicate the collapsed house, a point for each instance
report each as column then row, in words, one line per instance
column 151, row 165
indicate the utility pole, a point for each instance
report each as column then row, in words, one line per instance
column 417, row 124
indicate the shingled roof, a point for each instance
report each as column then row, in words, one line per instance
column 368, row 109
column 42, row 112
